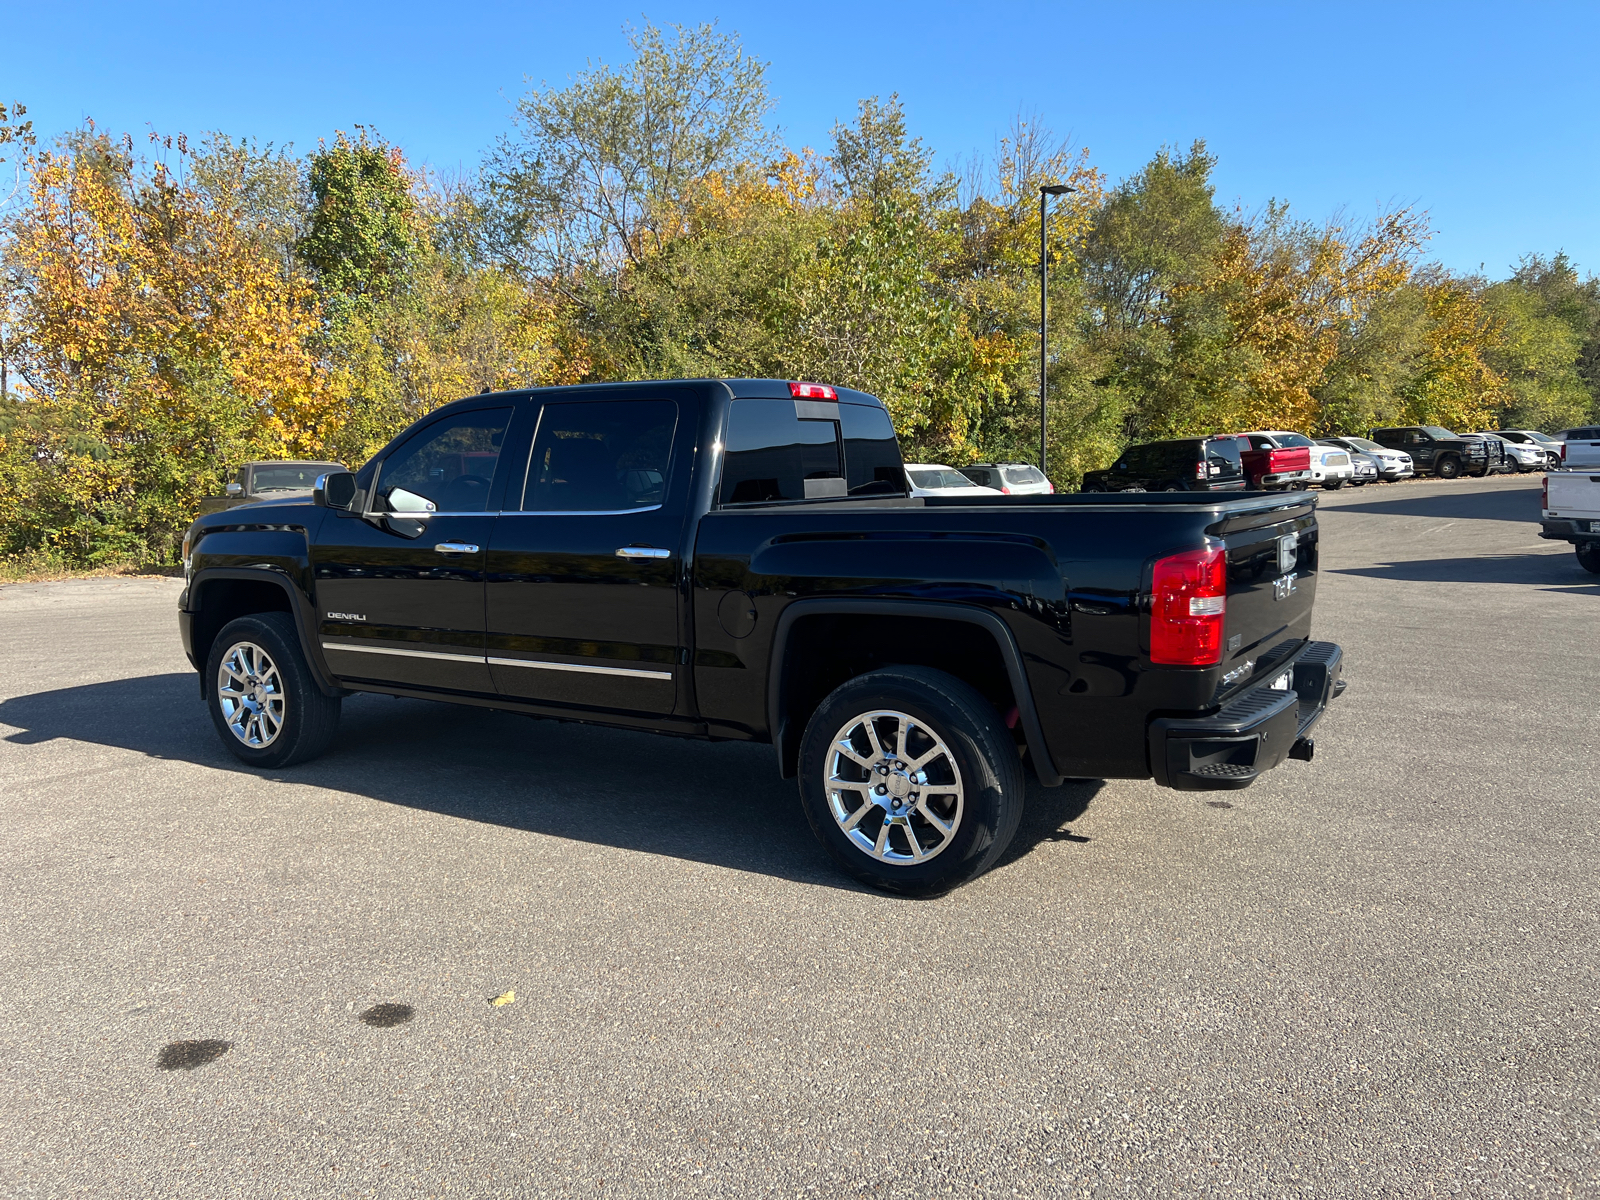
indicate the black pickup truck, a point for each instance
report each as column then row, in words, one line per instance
column 1442, row 453
column 739, row 559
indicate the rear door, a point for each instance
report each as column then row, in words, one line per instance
column 583, row 569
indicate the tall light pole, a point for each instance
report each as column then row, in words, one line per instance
column 1046, row 190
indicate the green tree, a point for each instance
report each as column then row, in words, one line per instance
column 360, row 231
column 596, row 173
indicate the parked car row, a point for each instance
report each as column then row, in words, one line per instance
column 1277, row 459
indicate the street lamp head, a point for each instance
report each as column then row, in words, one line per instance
column 1056, row 189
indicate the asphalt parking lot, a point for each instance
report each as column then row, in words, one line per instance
column 1371, row 975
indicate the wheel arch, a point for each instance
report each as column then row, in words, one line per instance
column 793, row 693
column 218, row 595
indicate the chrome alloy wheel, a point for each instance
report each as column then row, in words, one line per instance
column 894, row 787
column 250, row 691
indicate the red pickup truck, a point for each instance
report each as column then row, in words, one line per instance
column 1276, row 460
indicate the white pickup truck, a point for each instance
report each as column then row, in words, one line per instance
column 1581, row 447
column 1572, row 512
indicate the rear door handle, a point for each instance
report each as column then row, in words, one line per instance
column 643, row 552
column 456, row 548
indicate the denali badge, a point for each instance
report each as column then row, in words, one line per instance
column 1239, row 672
column 347, row 616
column 1288, row 552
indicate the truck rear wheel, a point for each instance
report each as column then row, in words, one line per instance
column 910, row 780
column 264, row 702
column 1589, row 557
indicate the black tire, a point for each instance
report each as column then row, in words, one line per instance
column 974, row 748
column 1447, row 468
column 1332, row 485
column 1094, row 487
column 1589, row 558
column 307, row 719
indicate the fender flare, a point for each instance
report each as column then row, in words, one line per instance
column 1028, row 714
column 305, row 622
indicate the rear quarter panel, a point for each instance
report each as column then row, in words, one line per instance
column 1066, row 574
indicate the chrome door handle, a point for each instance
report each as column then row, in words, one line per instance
column 456, row 548
column 643, row 552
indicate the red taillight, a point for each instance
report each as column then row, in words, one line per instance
column 1189, row 602
column 1563, row 452
column 812, row 391
column 1544, row 497
column 1200, row 469
column 1049, row 488
column 1004, row 491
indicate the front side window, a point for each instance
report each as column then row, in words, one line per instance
column 600, row 456
column 449, row 465
column 771, row 453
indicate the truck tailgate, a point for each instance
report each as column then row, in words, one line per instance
column 1572, row 494
column 1272, row 583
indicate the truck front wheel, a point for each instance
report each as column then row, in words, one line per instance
column 910, row 780
column 1447, row 467
column 264, row 702
column 1589, row 557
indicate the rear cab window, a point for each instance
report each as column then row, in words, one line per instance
column 786, row 450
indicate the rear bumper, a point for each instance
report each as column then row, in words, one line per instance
column 1576, row 530
column 1250, row 734
column 1285, row 478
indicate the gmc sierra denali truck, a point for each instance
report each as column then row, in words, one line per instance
column 739, row 559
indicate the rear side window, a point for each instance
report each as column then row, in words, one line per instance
column 805, row 450
column 1222, row 458
column 871, row 453
column 600, row 456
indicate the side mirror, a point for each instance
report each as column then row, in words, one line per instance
column 234, row 489
column 336, row 489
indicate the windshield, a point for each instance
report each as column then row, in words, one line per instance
column 302, row 477
column 1294, row 439
column 941, row 477
column 1434, row 431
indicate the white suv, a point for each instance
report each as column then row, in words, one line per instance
column 1014, row 479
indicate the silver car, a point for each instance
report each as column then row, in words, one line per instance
column 1392, row 464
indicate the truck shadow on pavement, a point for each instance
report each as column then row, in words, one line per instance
column 716, row 803
column 1501, row 504
column 1549, row 571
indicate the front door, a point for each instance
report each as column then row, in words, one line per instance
column 400, row 588
column 583, row 576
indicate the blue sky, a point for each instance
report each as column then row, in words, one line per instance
column 1483, row 115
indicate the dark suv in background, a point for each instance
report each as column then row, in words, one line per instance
column 1184, row 465
column 1440, row 452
